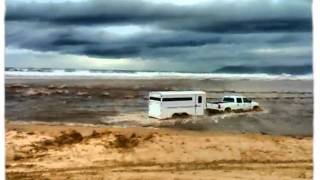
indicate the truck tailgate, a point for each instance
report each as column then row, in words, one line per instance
column 212, row 106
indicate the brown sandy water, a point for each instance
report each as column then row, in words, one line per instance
column 287, row 104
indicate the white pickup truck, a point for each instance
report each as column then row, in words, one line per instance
column 231, row 103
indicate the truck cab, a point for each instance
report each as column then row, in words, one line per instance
column 231, row 103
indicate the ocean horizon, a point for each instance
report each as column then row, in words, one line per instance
column 12, row 72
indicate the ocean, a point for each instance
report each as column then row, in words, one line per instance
column 52, row 73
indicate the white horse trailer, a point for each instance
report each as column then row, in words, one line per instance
column 165, row 104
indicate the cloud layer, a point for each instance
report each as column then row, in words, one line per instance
column 213, row 33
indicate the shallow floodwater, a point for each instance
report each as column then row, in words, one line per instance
column 287, row 105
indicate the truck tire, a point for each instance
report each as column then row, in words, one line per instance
column 256, row 108
column 227, row 110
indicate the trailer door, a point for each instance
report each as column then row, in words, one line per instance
column 155, row 107
column 199, row 103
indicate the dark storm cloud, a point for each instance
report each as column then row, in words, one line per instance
column 91, row 12
column 219, row 31
column 177, row 45
column 217, row 16
column 245, row 26
column 96, row 43
column 68, row 40
column 111, row 52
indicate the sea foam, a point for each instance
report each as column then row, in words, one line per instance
column 111, row 74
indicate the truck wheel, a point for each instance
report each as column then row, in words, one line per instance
column 256, row 108
column 227, row 110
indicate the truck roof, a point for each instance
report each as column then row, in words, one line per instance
column 164, row 93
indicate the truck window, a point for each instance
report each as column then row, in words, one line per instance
column 239, row 100
column 199, row 99
column 246, row 100
column 154, row 98
column 227, row 99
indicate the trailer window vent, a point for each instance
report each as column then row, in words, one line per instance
column 178, row 99
column 155, row 98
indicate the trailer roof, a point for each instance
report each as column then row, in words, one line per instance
column 177, row 92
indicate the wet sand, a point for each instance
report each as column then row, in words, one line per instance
column 99, row 152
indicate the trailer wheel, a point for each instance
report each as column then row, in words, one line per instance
column 180, row 115
column 227, row 110
column 184, row 115
column 175, row 115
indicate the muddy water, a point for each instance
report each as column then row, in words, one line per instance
column 286, row 112
column 70, row 107
column 280, row 117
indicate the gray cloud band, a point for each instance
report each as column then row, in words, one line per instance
column 251, row 16
column 216, row 31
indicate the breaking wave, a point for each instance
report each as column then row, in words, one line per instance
column 128, row 74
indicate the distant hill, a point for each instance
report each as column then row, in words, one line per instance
column 294, row 70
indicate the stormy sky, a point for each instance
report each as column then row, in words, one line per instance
column 180, row 35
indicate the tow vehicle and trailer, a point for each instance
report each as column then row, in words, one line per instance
column 167, row 104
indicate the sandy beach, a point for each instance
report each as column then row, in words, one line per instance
column 79, row 152
column 85, row 129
